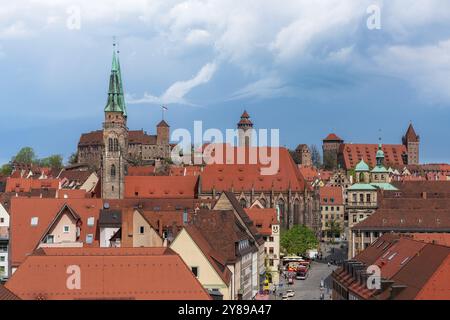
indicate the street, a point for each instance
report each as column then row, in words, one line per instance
column 309, row 289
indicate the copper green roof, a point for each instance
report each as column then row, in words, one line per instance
column 361, row 186
column 379, row 169
column 362, row 166
column 116, row 99
column 384, row 186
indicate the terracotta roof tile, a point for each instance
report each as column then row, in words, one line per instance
column 331, row 195
column 160, row 187
column 107, row 273
column 263, row 219
column 354, row 153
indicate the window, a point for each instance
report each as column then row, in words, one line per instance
column 110, row 144
column 2, row 259
column 116, row 145
column 270, row 262
column 271, row 239
column 243, row 203
column 361, row 198
column 195, row 271
column 90, row 221
column 113, row 170
column 271, row 250
column 34, row 221
column 2, row 270
column 89, row 238
column 2, row 220
column 326, row 208
column 354, row 219
column 281, row 208
column 66, row 229
column 141, row 230
column 332, row 208
column 49, row 239
column 368, row 198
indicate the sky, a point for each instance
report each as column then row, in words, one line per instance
column 359, row 68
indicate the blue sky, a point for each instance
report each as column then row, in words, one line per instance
column 306, row 67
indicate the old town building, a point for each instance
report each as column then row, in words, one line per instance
column 336, row 153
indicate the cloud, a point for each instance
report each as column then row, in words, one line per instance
column 426, row 67
column 265, row 88
column 176, row 92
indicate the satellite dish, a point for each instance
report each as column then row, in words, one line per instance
column 106, row 205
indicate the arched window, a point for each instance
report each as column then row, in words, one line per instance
column 110, row 144
column 361, row 177
column 243, row 203
column 281, row 208
column 113, row 170
column 296, row 211
column 116, row 145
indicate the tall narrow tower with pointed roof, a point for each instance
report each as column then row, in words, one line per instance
column 245, row 130
column 115, row 135
column 412, row 142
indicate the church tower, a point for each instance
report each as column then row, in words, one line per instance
column 412, row 141
column 115, row 136
column 245, row 130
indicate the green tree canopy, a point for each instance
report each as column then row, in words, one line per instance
column 54, row 161
column 6, row 169
column 298, row 240
column 26, row 155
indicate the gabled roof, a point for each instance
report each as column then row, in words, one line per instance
column 163, row 124
column 24, row 209
column 215, row 257
column 107, row 273
column 331, row 196
column 249, row 175
column 263, row 219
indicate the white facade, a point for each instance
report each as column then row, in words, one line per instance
column 4, row 242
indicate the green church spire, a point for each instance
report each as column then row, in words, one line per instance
column 116, row 99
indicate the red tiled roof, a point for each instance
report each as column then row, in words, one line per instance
column 141, row 171
column 263, row 219
column 332, row 137
column 354, row 153
column 309, row 173
column 244, row 177
column 185, row 171
column 107, row 273
column 72, row 194
column 23, row 209
column 331, row 196
column 438, row 286
column 26, row 185
column 442, row 239
column 5, row 294
column 149, row 187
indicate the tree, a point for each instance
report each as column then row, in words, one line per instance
column 329, row 161
column 73, row 159
column 26, row 155
column 298, row 240
column 54, row 161
column 6, row 169
column 334, row 229
column 315, row 156
column 295, row 156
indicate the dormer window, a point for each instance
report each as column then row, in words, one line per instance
column 34, row 221
column 66, row 229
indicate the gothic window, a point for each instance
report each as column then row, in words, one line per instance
column 243, row 203
column 296, row 210
column 116, row 145
column 110, row 144
column 113, row 170
column 281, row 208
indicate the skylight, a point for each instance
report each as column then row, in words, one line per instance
column 34, row 221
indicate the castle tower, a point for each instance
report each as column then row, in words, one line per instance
column 163, row 133
column 330, row 148
column 304, row 155
column 115, row 136
column 245, row 127
column 412, row 141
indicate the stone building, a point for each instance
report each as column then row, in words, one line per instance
column 304, row 155
column 136, row 146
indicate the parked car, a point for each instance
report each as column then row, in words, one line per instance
column 285, row 297
column 290, row 293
